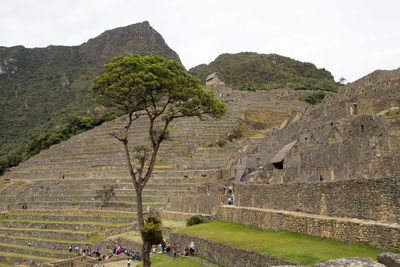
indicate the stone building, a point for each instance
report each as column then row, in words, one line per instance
column 213, row 79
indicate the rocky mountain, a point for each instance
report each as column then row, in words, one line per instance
column 253, row 71
column 41, row 87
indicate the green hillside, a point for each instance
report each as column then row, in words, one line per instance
column 43, row 89
column 253, row 71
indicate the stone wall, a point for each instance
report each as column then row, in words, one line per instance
column 383, row 236
column 373, row 199
column 224, row 254
column 83, row 261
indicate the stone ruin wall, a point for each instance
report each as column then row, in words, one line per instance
column 362, row 148
column 383, row 236
column 370, row 199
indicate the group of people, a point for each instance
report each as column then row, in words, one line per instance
column 30, row 244
column 230, row 192
column 190, row 250
column 83, row 251
column 119, row 250
column 166, row 248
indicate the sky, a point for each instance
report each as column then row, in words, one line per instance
column 349, row 38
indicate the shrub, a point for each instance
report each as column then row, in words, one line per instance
column 197, row 219
column 106, row 194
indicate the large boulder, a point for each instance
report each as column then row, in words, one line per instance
column 350, row 262
column 389, row 259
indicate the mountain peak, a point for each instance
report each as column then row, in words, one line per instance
column 139, row 38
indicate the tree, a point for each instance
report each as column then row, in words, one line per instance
column 161, row 91
column 106, row 194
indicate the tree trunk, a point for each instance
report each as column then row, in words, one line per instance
column 146, row 248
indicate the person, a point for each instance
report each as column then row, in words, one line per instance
column 29, row 243
column 168, row 250
column 129, row 263
column 192, row 248
column 36, row 244
column 70, row 248
column 76, row 249
column 174, row 250
column 186, row 251
column 154, row 249
column 163, row 245
column 229, row 201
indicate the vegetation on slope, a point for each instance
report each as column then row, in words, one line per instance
column 42, row 89
column 294, row 247
column 252, row 71
column 74, row 125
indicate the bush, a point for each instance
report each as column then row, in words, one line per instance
column 197, row 219
column 106, row 194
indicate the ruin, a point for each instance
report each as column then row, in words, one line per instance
column 329, row 170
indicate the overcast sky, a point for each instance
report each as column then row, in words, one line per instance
column 350, row 38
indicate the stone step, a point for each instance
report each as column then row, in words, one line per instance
column 123, row 172
column 112, row 205
column 53, row 234
column 74, row 226
column 40, row 252
column 72, row 217
column 43, row 243
column 17, row 257
column 85, row 198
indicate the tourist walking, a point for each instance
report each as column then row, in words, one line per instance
column 174, row 251
column 191, row 248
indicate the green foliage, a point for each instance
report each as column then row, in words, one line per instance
column 106, row 194
column 42, row 86
column 74, row 125
column 392, row 115
column 133, row 83
column 197, row 219
column 252, row 71
column 314, row 98
column 297, row 248
column 152, row 229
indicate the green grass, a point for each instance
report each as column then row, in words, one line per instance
column 293, row 247
column 33, row 248
column 5, row 264
column 30, row 257
column 48, row 230
column 105, row 224
column 161, row 260
column 71, row 215
column 48, row 239
column 392, row 115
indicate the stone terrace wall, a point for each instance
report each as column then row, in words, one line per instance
column 224, row 254
column 380, row 235
column 373, row 199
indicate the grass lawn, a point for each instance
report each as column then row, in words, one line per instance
column 5, row 264
column 161, row 260
column 294, row 247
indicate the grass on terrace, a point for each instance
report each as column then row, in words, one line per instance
column 5, row 264
column 294, row 247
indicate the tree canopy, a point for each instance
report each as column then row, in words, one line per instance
column 151, row 83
